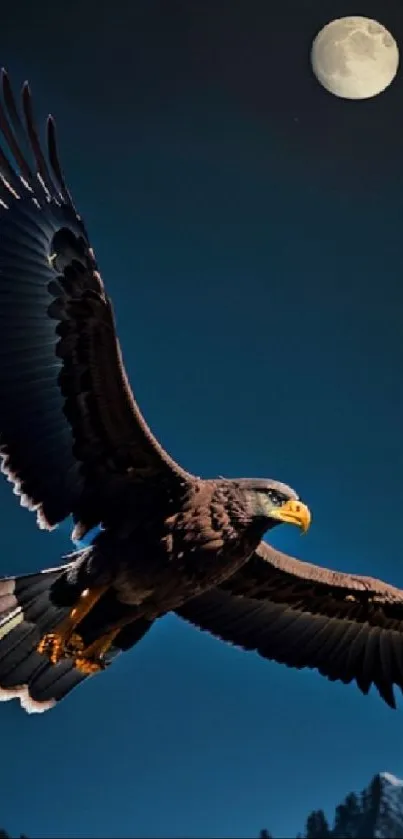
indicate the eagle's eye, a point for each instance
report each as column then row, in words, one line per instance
column 277, row 498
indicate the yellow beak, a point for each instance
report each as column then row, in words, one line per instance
column 293, row 512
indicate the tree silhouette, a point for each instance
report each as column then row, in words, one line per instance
column 317, row 826
column 347, row 818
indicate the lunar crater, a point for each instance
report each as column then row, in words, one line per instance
column 355, row 57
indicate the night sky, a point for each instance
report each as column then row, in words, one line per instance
column 248, row 226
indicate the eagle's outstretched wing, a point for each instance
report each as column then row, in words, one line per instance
column 347, row 627
column 71, row 433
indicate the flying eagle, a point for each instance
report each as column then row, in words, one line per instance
column 74, row 442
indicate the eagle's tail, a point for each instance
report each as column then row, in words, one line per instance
column 34, row 605
column 26, row 614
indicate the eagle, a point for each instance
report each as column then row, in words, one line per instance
column 74, row 443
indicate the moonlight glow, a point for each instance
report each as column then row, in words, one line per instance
column 355, row 57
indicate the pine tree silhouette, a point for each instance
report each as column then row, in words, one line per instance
column 317, row 826
column 347, row 818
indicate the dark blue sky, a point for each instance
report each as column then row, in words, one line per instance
column 249, row 229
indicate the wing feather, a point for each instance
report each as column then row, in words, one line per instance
column 345, row 626
column 71, row 433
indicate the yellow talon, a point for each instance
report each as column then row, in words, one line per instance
column 64, row 642
column 74, row 644
column 92, row 658
column 57, row 648
column 87, row 666
column 54, row 645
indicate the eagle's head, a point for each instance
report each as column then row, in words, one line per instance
column 271, row 503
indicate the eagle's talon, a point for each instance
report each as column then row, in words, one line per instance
column 56, row 647
column 51, row 645
column 74, row 644
column 88, row 666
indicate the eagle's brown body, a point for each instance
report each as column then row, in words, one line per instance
column 203, row 537
column 74, row 442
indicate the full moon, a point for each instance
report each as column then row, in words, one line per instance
column 355, row 57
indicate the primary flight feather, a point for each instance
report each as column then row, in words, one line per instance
column 74, row 442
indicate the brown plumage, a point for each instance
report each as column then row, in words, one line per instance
column 73, row 441
column 347, row 627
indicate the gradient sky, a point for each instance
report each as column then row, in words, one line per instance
column 249, row 229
